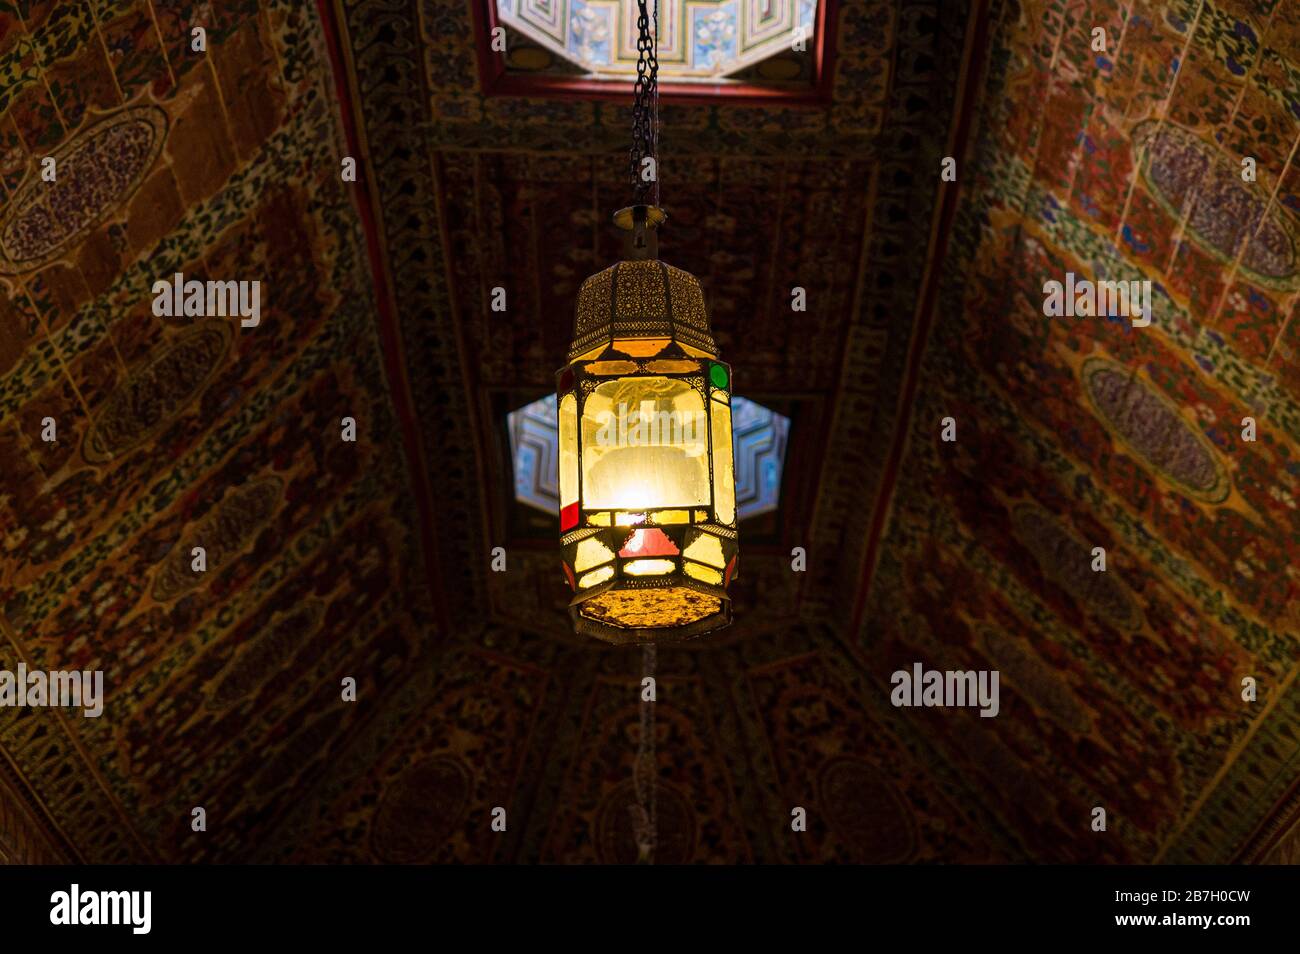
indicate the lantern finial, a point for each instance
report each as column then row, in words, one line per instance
column 641, row 222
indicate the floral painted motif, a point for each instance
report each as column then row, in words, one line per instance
column 94, row 174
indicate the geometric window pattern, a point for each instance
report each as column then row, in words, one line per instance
column 700, row 40
column 535, row 449
column 759, row 437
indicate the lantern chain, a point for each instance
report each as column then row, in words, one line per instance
column 645, row 106
column 644, row 771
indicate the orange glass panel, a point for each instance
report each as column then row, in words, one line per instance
column 671, row 516
column 641, row 347
column 609, row 368
column 670, row 366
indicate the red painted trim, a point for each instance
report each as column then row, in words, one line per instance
column 494, row 80
column 1257, row 845
column 389, row 332
column 967, row 92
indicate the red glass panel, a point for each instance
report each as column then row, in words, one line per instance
column 569, row 517
column 648, row 543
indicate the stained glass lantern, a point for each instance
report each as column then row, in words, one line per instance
column 647, row 482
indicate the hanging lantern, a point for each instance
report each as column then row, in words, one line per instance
column 647, row 482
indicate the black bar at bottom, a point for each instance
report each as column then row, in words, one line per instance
column 209, row 904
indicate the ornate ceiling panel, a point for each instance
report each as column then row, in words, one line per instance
column 1122, row 689
column 222, row 687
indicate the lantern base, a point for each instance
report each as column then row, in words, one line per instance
column 626, row 616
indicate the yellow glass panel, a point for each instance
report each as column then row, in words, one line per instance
column 701, row 515
column 645, row 445
column 592, row 354
column 648, row 567
column 671, row 516
column 591, row 552
column 703, row 573
column 608, row 368
column 698, row 352
column 670, row 366
column 599, row 575
column 724, row 474
column 722, row 396
column 599, row 519
column 707, row 549
column 568, row 450
column 628, row 519
column 641, row 347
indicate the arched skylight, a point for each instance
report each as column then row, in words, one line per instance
column 698, row 39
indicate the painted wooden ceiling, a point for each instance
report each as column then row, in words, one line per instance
column 1127, row 686
column 372, row 559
